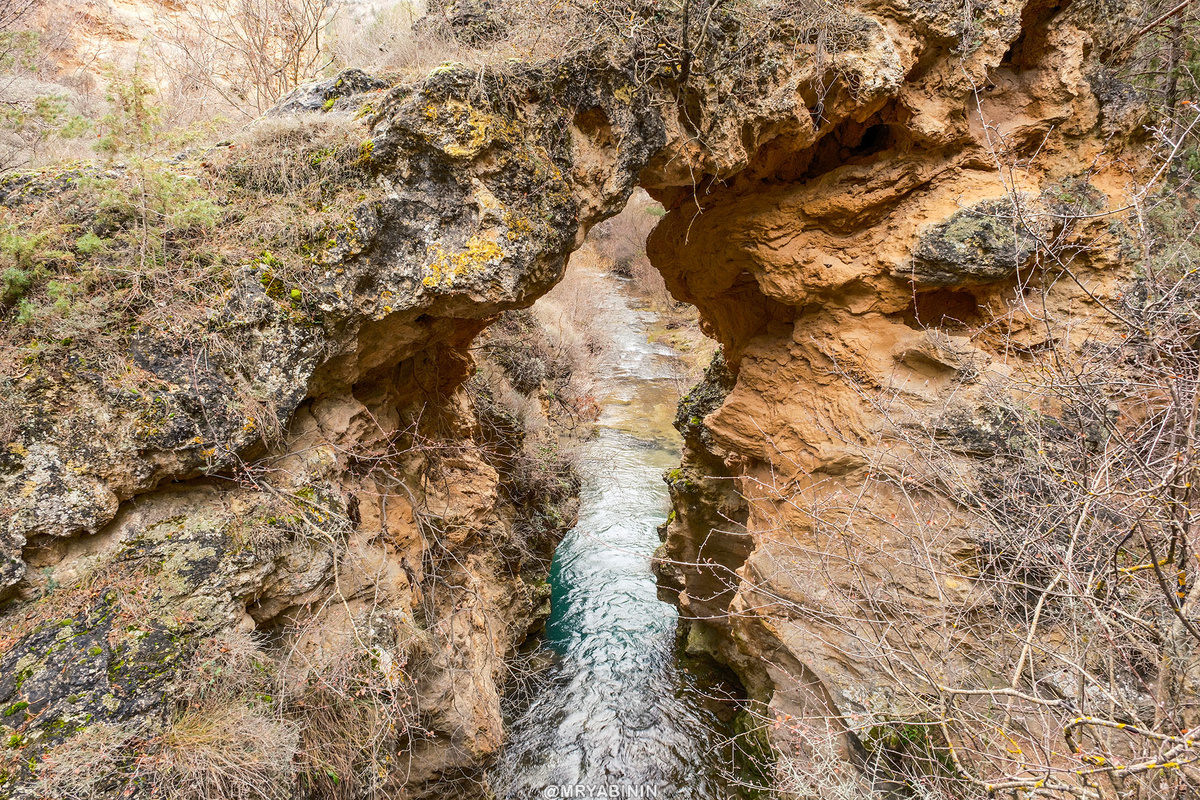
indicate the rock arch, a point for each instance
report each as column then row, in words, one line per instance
column 820, row 216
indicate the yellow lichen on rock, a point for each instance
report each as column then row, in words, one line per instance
column 461, row 130
column 446, row 268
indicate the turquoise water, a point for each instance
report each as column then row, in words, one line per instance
column 616, row 711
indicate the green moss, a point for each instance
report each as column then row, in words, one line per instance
column 445, row 67
column 16, row 707
column 365, row 151
column 680, row 481
column 754, row 758
column 274, row 287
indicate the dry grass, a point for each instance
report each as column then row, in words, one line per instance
column 386, row 43
column 355, row 709
column 152, row 246
column 85, row 767
column 298, row 155
column 229, row 737
column 230, row 752
column 225, row 739
column 245, row 728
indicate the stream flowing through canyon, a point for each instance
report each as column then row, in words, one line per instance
column 618, row 715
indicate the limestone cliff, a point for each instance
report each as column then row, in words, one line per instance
column 831, row 212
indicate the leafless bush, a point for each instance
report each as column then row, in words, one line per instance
column 390, row 43
column 253, row 52
column 1159, row 58
column 813, row 766
column 12, row 12
column 353, row 704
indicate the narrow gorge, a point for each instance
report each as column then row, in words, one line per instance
column 254, row 495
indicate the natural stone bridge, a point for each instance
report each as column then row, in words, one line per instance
column 843, row 224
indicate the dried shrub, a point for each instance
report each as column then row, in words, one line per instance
column 533, row 396
column 303, row 155
column 354, row 707
column 226, row 738
column 248, row 725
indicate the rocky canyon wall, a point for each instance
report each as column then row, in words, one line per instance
column 840, row 211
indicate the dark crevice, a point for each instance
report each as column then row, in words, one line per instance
column 951, row 309
column 1029, row 47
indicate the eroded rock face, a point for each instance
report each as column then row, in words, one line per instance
column 863, row 277
column 828, row 220
column 382, row 522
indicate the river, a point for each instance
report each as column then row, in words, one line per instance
column 617, row 715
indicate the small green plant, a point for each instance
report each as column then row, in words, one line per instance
column 14, row 282
column 90, row 244
column 41, row 119
column 19, row 50
column 133, row 117
column 158, row 206
column 16, row 708
column 29, row 258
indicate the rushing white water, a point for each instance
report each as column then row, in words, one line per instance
column 617, row 717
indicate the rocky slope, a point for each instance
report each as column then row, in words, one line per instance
column 828, row 214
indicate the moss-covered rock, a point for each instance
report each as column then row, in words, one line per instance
column 986, row 242
column 703, row 399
